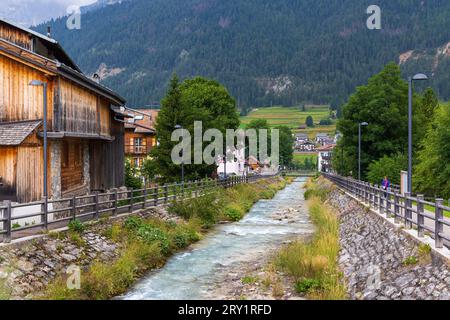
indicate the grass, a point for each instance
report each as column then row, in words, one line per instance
column 314, row 264
column 146, row 244
column 292, row 117
column 249, row 280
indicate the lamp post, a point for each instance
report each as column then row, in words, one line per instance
column 182, row 158
column 39, row 83
column 417, row 77
column 361, row 124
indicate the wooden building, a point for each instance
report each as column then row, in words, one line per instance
column 140, row 134
column 85, row 133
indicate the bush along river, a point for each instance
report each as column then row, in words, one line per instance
column 218, row 266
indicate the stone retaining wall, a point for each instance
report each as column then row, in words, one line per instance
column 27, row 267
column 381, row 262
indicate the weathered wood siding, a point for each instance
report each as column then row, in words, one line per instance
column 15, row 36
column 30, row 183
column 30, row 170
column 83, row 111
column 107, row 161
column 18, row 100
column 8, row 161
column 71, row 165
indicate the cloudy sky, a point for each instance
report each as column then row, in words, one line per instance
column 31, row 12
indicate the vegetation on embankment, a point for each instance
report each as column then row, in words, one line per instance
column 314, row 264
column 147, row 243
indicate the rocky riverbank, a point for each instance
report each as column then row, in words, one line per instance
column 381, row 262
column 27, row 268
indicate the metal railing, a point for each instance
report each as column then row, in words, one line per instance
column 136, row 149
column 411, row 211
column 53, row 214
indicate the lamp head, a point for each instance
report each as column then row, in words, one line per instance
column 36, row 83
column 364, row 124
column 420, row 77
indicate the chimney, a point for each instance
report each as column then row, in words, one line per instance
column 49, row 32
column 96, row 77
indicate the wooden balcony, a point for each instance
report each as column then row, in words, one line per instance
column 137, row 150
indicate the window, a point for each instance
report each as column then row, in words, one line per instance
column 138, row 141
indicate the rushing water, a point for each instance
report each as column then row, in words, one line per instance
column 191, row 274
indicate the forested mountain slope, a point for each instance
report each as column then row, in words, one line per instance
column 264, row 51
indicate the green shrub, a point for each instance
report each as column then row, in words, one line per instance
column 182, row 209
column 206, row 208
column 76, row 226
column 233, row 214
column 133, row 223
column 306, row 285
column 249, row 280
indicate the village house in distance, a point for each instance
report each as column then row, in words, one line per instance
column 140, row 134
column 85, row 134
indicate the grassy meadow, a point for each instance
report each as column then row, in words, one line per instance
column 292, row 117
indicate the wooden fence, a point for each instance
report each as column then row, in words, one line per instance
column 53, row 214
column 412, row 211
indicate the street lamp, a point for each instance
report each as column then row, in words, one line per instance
column 361, row 124
column 182, row 158
column 39, row 83
column 417, row 77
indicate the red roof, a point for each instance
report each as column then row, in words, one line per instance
column 145, row 119
column 326, row 147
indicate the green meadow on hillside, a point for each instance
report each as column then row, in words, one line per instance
column 292, row 117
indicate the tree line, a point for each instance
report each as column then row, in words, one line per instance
column 383, row 104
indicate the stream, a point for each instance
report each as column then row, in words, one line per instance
column 195, row 273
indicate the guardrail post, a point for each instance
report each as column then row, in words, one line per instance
column 73, row 207
column 116, row 202
column 388, row 203
column 166, row 193
column 396, row 208
column 408, row 213
column 96, row 206
column 144, row 204
column 7, row 223
column 439, row 226
column 44, row 210
column 382, row 200
column 155, row 196
column 364, row 192
column 130, row 208
column 420, row 217
column 374, row 196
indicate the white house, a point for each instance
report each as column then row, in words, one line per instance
column 234, row 166
column 325, row 154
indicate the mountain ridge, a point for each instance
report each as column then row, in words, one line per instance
column 265, row 52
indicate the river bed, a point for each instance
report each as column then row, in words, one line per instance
column 200, row 272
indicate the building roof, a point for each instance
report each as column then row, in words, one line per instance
column 320, row 135
column 327, row 147
column 66, row 67
column 14, row 133
column 58, row 51
column 142, row 120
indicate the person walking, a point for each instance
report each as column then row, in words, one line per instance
column 385, row 184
